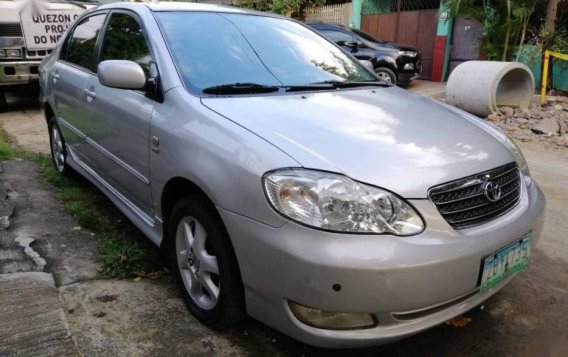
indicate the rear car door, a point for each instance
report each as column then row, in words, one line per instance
column 121, row 118
column 69, row 77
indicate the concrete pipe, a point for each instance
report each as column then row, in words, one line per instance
column 480, row 87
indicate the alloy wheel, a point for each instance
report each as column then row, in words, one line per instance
column 57, row 149
column 197, row 263
column 384, row 76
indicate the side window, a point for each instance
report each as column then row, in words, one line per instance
column 337, row 36
column 124, row 40
column 80, row 45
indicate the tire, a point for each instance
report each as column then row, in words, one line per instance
column 3, row 102
column 205, row 261
column 58, row 149
column 386, row 74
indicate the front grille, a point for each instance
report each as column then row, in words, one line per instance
column 472, row 201
column 37, row 54
column 10, row 30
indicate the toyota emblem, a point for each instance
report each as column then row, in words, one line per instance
column 492, row 191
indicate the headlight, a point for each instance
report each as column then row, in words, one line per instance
column 2, row 53
column 13, row 53
column 336, row 203
column 408, row 53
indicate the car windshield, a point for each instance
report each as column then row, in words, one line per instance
column 219, row 49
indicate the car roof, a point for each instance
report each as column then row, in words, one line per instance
column 184, row 6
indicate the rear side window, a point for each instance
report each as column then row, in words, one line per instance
column 80, row 45
column 124, row 40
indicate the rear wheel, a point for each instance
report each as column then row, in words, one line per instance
column 58, row 149
column 386, row 74
column 204, row 263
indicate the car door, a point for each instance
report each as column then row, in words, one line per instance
column 120, row 118
column 69, row 76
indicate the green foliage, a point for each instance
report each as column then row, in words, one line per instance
column 505, row 23
column 559, row 42
column 6, row 152
column 293, row 8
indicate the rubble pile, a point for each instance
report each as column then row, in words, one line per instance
column 547, row 123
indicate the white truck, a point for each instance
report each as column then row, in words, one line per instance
column 29, row 30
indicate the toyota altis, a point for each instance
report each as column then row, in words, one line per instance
column 283, row 179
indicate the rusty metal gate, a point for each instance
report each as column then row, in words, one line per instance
column 406, row 22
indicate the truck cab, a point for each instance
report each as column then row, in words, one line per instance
column 21, row 52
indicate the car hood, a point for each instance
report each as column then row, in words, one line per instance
column 386, row 137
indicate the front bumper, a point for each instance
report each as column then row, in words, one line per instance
column 407, row 77
column 18, row 72
column 408, row 283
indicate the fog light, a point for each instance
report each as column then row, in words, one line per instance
column 332, row 320
column 408, row 66
column 13, row 53
column 2, row 53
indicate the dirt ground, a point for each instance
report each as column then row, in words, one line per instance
column 147, row 317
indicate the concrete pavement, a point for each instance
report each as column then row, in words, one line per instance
column 32, row 320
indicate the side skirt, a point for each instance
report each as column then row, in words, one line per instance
column 150, row 226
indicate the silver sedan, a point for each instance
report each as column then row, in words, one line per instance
column 283, row 178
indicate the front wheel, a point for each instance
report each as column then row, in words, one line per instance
column 58, row 149
column 204, row 263
column 386, row 75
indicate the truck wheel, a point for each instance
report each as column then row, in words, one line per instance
column 3, row 103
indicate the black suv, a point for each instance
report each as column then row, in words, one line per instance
column 393, row 63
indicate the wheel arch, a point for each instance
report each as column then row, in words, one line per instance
column 174, row 190
column 48, row 112
column 387, row 62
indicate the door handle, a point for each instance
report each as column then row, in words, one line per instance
column 89, row 94
column 55, row 77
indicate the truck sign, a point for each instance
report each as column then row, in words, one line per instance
column 43, row 26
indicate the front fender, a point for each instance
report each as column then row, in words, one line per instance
column 384, row 61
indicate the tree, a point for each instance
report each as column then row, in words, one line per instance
column 550, row 22
column 293, row 8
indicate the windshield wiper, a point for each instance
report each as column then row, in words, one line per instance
column 240, row 88
column 308, row 87
column 253, row 88
column 350, row 84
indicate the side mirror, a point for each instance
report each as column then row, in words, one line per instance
column 368, row 64
column 353, row 46
column 121, row 74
